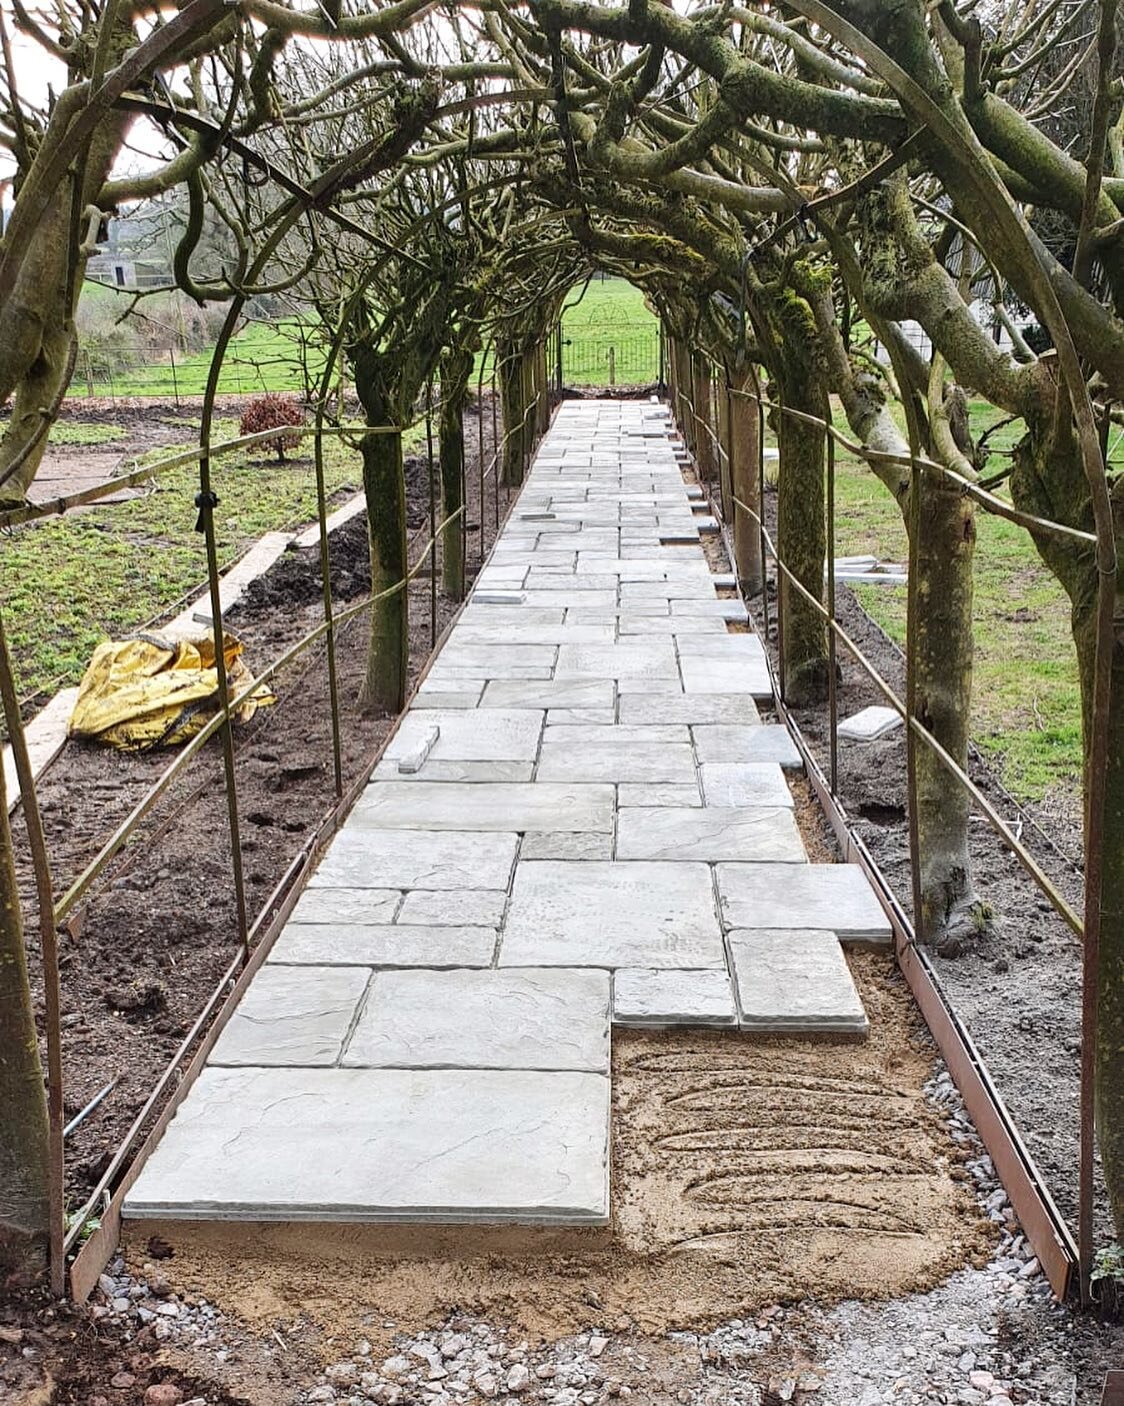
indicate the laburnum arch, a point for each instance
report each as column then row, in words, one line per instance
column 788, row 185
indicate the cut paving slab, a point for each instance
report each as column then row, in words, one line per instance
column 412, row 1145
column 710, row 833
column 389, row 805
column 793, row 896
column 642, row 996
column 795, row 981
column 392, row 945
column 291, row 1017
column 517, row 1019
column 417, row 859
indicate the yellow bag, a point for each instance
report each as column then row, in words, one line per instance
column 152, row 692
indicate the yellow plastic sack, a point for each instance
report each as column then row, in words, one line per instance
column 152, row 692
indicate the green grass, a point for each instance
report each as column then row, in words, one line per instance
column 84, row 432
column 1026, row 701
column 611, row 314
column 261, row 357
column 70, row 582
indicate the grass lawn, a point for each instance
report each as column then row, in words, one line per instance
column 67, row 583
column 611, row 314
column 1026, row 703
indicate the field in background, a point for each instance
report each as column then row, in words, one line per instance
column 609, row 337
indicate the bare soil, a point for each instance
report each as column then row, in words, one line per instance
column 148, row 947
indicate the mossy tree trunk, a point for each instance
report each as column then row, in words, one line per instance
column 24, row 1193
column 801, row 538
column 705, row 456
column 513, row 408
column 745, row 485
column 940, row 655
column 384, row 486
column 456, row 368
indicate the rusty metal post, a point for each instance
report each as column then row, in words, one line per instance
column 326, row 592
column 480, row 444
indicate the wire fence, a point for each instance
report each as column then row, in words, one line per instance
column 614, row 357
column 102, row 1207
column 737, row 489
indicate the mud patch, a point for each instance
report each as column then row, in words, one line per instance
column 744, row 1173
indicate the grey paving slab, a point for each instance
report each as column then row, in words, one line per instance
column 517, row 1019
column 393, row 945
column 495, row 735
column 729, row 708
column 721, row 675
column 744, row 784
column 725, row 742
column 324, row 905
column 709, row 833
column 482, row 773
column 833, row 896
column 642, row 996
column 448, row 695
column 606, row 761
column 869, row 724
column 612, row 915
column 391, row 805
column 633, row 659
column 562, row 844
column 452, row 907
column 795, row 981
column 638, row 794
column 292, row 1017
column 417, row 859
column 405, row 1145
column 557, row 693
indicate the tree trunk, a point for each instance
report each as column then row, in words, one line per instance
column 745, row 436
column 801, row 542
column 530, row 405
column 684, row 409
column 940, row 649
column 24, row 1193
column 725, row 482
column 512, row 408
column 704, row 444
column 456, row 368
column 542, row 387
column 384, row 486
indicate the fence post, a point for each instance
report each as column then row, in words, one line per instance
column 612, row 367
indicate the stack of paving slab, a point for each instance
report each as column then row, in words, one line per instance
column 580, row 821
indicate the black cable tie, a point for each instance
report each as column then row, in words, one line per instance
column 205, row 502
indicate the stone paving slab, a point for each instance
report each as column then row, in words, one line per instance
column 343, row 905
column 291, row 1017
column 642, row 996
column 398, row 805
column 795, row 981
column 792, row 896
column 405, row 1145
column 692, row 708
column 612, row 915
column 744, row 784
column 515, row 1019
column 473, row 773
column 417, row 859
column 391, row 945
column 768, row 742
column 711, row 833
column 497, row 735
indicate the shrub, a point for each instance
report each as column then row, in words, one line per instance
column 268, row 412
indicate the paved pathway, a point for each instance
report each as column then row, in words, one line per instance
column 581, row 821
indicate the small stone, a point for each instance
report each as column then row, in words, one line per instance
column 395, row 1367
column 342, row 1374
column 982, row 1381
column 545, row 1370
column 612, row 1387
column 158, row 1286
column 107, row 1286
column 1029, row 1269
column 597, row 1346
column 321, row 1393
column 169, row 1310
column 518, row 1379
column 122, row 1381
column 485, row 1385
column 163, row 1394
